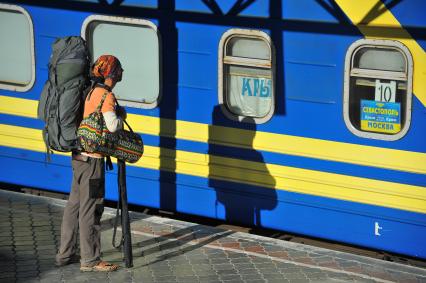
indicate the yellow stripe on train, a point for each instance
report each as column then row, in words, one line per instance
column 343, row 187
column 400, row 160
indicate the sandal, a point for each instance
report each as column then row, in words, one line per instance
column 102, row 266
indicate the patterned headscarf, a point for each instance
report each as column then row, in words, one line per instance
column 107, row 66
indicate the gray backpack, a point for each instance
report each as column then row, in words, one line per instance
column 62, row 99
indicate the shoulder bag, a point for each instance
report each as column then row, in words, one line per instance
column 94, row 137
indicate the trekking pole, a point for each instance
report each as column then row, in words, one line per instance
column 125, row 221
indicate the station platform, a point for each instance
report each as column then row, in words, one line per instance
column 166, row 250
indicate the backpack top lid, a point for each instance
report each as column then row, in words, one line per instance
column 70, row 59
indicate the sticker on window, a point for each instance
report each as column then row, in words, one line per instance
column 255, row 87
column 383, row 117
column 385, row 92
column 250, row 96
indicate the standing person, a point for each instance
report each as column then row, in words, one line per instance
column 85, row 206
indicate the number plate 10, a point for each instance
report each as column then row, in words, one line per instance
column 385, row 92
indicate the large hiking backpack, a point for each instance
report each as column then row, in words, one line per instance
column 62, row 99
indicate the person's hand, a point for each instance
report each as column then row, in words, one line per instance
column 121, row 112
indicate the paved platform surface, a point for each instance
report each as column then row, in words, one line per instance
column 168, row 250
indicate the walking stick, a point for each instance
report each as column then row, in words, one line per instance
column 126, row 238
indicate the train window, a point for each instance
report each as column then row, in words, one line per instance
column 17, row 69
column 377, row 90
column 246, row 75
column 136, row 44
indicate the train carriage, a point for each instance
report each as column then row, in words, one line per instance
column 301, row 116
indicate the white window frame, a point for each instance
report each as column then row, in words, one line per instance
column 130, row 21
column 246, row 62
column 379, row 74
column 17, row 87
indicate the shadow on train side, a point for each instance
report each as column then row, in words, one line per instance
column 343, row 25
column 242, row 204
column 168, row 16
column 378, row 10
column 168, row 106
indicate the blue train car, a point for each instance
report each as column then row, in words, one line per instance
column 305, row 116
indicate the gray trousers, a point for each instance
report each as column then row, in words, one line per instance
column 83, row 212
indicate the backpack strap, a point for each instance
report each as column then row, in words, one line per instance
column 46, row 143
column 89, row 94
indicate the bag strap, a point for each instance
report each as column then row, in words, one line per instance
column 130, row 128
column 117, row 216
column 98, row 109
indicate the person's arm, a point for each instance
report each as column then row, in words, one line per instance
column 112, row 121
